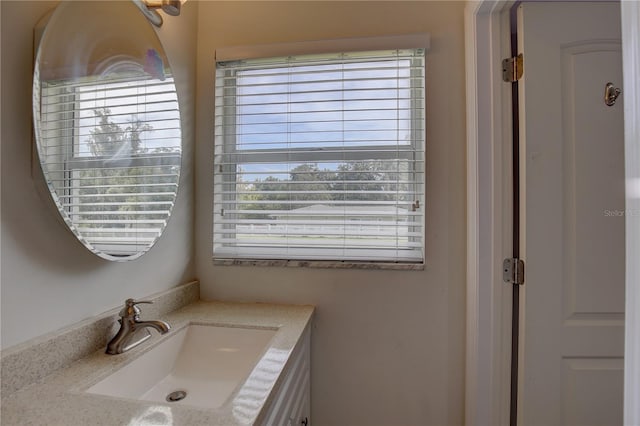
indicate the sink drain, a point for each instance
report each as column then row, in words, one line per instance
column 175, row 396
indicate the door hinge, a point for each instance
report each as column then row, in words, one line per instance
column 512, row 68
column 513, row 271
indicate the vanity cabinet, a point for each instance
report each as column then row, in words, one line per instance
column 275, row 393
column 291, row 405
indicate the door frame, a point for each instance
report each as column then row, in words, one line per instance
column 489, row 207
column 488, row 120
column 630, row 14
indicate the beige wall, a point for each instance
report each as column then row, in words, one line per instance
column 49, row 280
column 388, row 347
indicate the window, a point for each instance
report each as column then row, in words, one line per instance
column 111, row 151
column 320, row 157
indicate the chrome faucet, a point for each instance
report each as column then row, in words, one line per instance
column 128, row 336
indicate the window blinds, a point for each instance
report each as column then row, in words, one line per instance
column 111, row 152
column 320, row 157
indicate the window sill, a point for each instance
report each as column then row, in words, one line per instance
column 326, row 264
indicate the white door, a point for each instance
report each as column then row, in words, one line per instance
column 572, row 323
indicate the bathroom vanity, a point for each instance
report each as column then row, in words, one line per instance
column 230, row 364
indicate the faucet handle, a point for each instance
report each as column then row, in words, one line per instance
column 130, row 309
column 137, row 302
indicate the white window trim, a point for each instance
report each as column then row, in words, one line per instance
column 358, row 44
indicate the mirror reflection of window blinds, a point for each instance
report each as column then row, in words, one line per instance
column 112, row 155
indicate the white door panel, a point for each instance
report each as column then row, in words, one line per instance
column 583, row 406
column 572, row 328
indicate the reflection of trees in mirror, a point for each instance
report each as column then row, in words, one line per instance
column 109, row 139
column 114, row 193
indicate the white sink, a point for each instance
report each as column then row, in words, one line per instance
column 207, row 362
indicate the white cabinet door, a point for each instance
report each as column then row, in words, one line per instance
column 291, row 403
column 572, row 324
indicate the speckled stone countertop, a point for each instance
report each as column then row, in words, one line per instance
column 59, row 399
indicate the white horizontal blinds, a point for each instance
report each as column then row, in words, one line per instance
column 112, row 153
column 321, row 157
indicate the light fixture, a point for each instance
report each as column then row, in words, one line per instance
column 150, row 9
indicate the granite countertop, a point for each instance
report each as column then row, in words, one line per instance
column 59, row 398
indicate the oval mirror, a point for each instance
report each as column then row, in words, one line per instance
column 107, row 126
